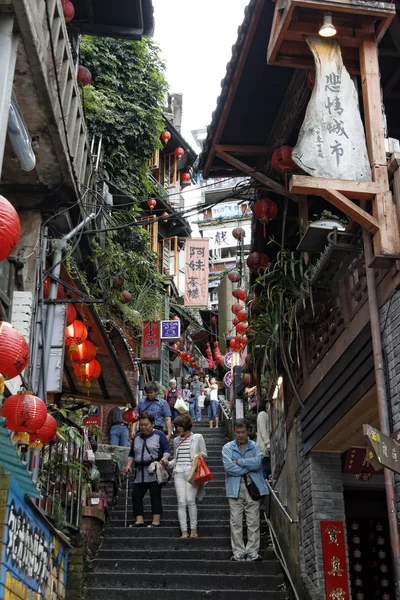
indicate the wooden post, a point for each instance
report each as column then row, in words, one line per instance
column 387, row 239
column 303, row 216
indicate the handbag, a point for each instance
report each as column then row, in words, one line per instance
column 252, row 489
column 207, row 400
column 203, row 473
column 201, row 400
column 181, row 406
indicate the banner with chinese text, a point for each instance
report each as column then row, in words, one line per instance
column 335, row 567
column 196, row 273
column 151, row 345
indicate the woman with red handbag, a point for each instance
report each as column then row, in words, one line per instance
column 187, row 447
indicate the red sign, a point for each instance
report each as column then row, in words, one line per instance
column 196, row 273
column 357, row 461
column 151, row 346
column 94, row 416
column 334, row 553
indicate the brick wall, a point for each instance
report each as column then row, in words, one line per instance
column 76, row 569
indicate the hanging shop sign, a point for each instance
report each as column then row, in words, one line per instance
column 151, row 345
column 196, row 273
column 383, row 450
column 228, row 360
column 335, row 567
column 170, row 330
column 228, row 379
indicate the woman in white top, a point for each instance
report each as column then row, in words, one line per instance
column 186, row 447
column 212, row 389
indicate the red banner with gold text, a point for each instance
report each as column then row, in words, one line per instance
column 335, row 567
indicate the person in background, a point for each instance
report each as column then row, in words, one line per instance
column 186, row 392
column 147, row 446
column 263, row 439
column 171, row 397
column 212, row 410
column 186, row 446
column 157, row 407
column 196, row 388
column 242, row 460
column 119, row 433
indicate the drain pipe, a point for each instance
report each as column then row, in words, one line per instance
column 59, row 248
column 384, row 423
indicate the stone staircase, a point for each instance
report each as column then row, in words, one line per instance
column 155, row 564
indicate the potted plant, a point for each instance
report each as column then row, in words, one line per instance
column 328, row 220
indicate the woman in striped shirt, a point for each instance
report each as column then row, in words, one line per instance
column 186, row 446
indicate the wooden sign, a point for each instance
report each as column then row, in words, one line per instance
column 334, row 554
column 151, row 345
column 383, row 450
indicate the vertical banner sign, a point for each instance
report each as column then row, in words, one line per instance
column 196, row 273
column 151, row 345
column 335, row 567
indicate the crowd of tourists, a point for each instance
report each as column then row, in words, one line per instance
column 156, row 455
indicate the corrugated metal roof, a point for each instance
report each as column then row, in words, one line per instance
column 10, row 460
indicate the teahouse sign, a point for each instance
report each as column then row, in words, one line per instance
column 383, row 450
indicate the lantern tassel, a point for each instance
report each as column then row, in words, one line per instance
column 2, row 380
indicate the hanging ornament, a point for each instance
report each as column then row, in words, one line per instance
column 75, row 334
column 71, row 314
column 264, row 211
column 179, row 152
column 185, row 178
column 88, row 372
column 235, row 321
column 282, row 160
column 234, row 276
column 84, row 353
column 239, row 293
column 14, row 353
column 239, row 233
column 242, row 326
column 130, row 416
column 10, row 228
column 165, row 137
column 249, row 380
column 46, row 289
column 214, row 319
column 242, row 315
column 234, row 345
column 24, row 412
column 47, row 432
column 84, row 76
column 125, row 297
column 257, row 261
column 165, row 214
column 235, row 308
column 175, row 318
column 151, row 203
column 68, row 10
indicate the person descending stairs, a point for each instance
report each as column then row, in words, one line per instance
column 154, row 564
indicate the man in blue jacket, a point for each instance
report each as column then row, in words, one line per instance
column 245, row 486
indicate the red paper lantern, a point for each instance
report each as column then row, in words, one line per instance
column 47, row 432
column 235, row 321
column 125, row 297
column 46, row 289
column 264, row 211
column 234, row 345
column 185, row 178
column 235, row 308
column 257, row 261
column 10, row 228
column 242, row 326
column 89, row 371
column 239, row 293
column 71, row 314
column 68, row 10
column 234, row 276
column 165, row 137
column 175, row 318
column 179, row 152
column 130, row 416
column 84, row 353
column 239, row 233
column 282, row 160
column 14, row 352
column 84, row 76
column 249, row 380
column 75, row 334
column 151, row 203
column 242, row 315
column 24, row 412
column 214, row 319
column 165, row 214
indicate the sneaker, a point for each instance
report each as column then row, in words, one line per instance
column 237, row 559
column 193, row 533
column 184, row 535
column 254, row 558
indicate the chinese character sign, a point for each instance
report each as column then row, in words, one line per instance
column 196, row 273
column 170, row 330
column 335, row 567
column 332, row 140
column 151, row 341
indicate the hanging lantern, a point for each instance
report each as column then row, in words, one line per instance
column 75, row 334
column 185, row 178
column 10, row 228
column 234, row 345
column 68, row 10
column 71, row 314
column 242, row 326
column 125, row 297
column 151, row 203
column 84, row 353
column 234, row 276
column 264, row 211
column 175, row 318
column 84, row 76
column 282, row 160
column 241, row 341
column 235, row 308
column 165, row 214
column 165, row 137
column 215, row 344
column 47, row 432
column 249, row 380
column 257, row 261
column 239, row 233
column 235, row 321
column 24, row 412
column 130, row 416
column 242, row 315
column 88, row 372
column 214, row 319
column 14, row 353
column 179, row 152
column 46, row 289
column 239, row 293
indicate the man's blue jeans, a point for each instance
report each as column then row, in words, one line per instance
column 119, row 435
column 194, row 410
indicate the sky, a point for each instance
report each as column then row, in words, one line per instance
column 196, row 38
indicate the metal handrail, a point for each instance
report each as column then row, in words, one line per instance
column 225, row 409
column 283, row 509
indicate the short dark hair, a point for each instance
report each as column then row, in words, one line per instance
column 151, row 387
column 184, row 421
column 240, row 424
column 147, row 416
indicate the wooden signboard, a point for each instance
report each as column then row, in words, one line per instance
column 383, row 450
column 335, row 566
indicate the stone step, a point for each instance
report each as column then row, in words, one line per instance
column 164, row 531
column 145, row 542
column 211, row 566
column 171, row 521
column 171, row 501
column 218, row 512
column 186, row 552
column 212, row 489
column 160, row 593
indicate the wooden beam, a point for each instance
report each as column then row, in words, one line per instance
column 242, row 150
column 350, row 209
column 267, row 181
column 357, row 190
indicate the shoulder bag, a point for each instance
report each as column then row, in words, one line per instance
column 252, row 489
